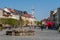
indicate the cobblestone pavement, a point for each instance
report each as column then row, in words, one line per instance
column 39, row 35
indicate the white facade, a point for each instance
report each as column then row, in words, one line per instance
column 54, row 12
column 31, row 20
column 15, row 17
column 1, row 13
column 6, row 10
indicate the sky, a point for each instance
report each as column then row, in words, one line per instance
column 42, row 7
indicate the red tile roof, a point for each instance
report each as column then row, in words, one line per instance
column 28, row 15
column 11, row 10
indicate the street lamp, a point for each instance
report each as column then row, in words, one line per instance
column 20, row 19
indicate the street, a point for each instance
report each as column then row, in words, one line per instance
column 39, row 35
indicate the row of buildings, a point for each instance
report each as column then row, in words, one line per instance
column 55, row 16
column 13, row 13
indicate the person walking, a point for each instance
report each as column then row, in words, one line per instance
column 59, row 28
column 41, row 27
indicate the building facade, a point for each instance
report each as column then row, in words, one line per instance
column 55, row 16
column 15, row 14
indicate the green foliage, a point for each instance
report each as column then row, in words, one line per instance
column 9, row 21
column 38, row 22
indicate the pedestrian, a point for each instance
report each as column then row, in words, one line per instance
column 41, row 27
column 59, row 28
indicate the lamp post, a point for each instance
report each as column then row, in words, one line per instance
column 20, row 20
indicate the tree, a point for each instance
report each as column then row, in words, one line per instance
column 38, row 22
column 9, row 21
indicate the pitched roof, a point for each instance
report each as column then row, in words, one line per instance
column 28, row 15
column 9, row 10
